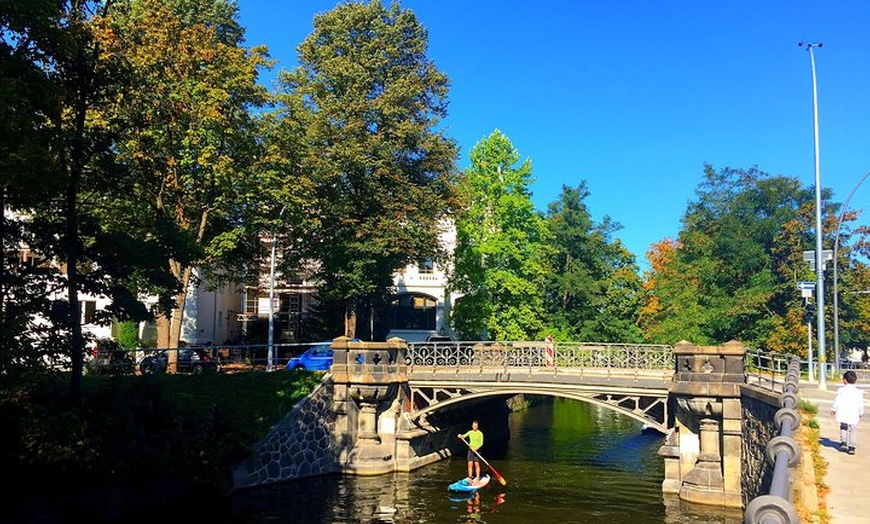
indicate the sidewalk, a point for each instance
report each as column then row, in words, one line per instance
column 848, row 476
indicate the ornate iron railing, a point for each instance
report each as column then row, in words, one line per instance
column 526, row 354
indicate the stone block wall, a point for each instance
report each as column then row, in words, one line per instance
column 302, row 444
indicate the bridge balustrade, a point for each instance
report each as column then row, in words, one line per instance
column 509, row 354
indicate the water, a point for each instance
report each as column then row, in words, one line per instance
column 566, row 462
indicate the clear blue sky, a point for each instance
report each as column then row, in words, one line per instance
column 635, row 96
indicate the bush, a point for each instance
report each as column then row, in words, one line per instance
column 128, row 334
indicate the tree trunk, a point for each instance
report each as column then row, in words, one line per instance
column 177, row 319
column 350, row 320
column 183, row 274
column 74, row 324
column 163, row 324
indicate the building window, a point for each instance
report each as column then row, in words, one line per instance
column 89, row 311
column 426, row 267
column 414, row 312
column 251, row 301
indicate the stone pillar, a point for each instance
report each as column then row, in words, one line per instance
column 368, row 421
column 671, row 453
column 372, row 374
column 707, row 392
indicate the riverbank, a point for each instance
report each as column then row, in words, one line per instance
column 131, row 442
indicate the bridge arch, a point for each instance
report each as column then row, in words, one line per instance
column 649, row 409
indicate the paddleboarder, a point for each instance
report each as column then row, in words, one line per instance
column 474, row 437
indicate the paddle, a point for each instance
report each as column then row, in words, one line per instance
column 498, row 476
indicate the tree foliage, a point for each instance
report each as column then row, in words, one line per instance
column 372, row 174
column 732, row 273
column 593, row 291
column 62, row 83
column 502, row 246
column 187, row 133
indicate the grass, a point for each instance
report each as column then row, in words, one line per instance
column 251, row 402
column 809, row 437
column 137, row 434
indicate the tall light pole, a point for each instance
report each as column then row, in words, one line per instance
column 820, row 280
column 836, row 248
column 271, row 353
column 271, row 307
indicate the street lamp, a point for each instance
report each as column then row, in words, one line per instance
column 820, row 281
column 271, row 353
column 836, row 248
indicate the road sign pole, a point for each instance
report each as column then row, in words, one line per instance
column 810, row 350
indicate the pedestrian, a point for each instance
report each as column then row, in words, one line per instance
column 474, row 439
column 849, row 408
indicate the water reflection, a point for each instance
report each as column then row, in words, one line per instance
column 566, row 462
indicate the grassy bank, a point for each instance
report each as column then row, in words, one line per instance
column 163, row 436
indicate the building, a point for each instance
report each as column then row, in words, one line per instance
column 231, row 313
column 421, row 306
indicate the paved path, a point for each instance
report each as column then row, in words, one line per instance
column 848, row 476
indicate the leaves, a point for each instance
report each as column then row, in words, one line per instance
column 502, row 246
column 593, row 289
column 733, row 272
column 371, row 175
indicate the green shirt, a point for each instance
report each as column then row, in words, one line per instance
column 475, row 438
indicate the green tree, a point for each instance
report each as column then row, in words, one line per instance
column 372, row 173
column 188, row 135
column 732, row 273
column 853, row 285
column 59, row 48
column 502, row 245
column 27, row 178
column 593, row 290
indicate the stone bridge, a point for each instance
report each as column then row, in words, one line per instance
column 385, row 407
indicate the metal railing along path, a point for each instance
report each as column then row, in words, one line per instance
column 784, row 453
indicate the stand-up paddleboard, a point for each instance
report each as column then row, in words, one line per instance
column 466, row 486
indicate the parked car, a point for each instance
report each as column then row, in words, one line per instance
column 316, row 358
column 190, row 360
column 108, row 357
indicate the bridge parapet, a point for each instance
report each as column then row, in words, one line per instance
column 540, row 355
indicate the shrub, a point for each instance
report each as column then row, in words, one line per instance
column 128, row 334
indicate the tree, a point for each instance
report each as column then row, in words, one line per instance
column 27, row 96
column 731, row 274
column 374, row 171
column 188, row 136
column 502, row 245
column 853, row 285
column 60, row 48
column 593, row 289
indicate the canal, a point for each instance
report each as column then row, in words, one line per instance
column 566, row 462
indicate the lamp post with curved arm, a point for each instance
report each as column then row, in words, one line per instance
column 836, row 248
column 820, row 280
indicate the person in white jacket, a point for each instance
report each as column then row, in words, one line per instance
column 849, row 408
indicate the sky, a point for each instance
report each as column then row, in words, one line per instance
column 635, row 97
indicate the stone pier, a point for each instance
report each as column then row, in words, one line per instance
column 703, row 452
